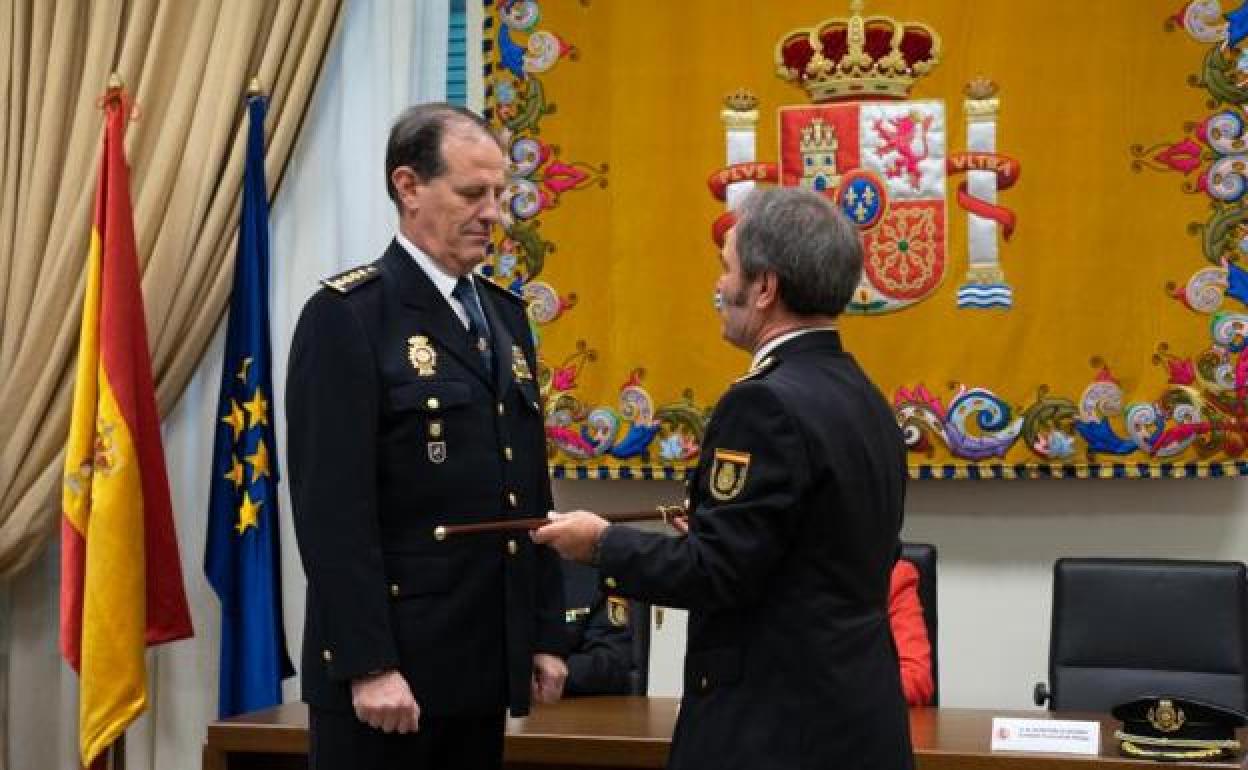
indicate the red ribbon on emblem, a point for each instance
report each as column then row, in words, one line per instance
column 1007, row 170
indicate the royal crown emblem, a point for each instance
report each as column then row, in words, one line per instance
column 857, row 57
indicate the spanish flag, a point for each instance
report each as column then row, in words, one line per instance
column 121, row 578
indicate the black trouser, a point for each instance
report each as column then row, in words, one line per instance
column 340, row 741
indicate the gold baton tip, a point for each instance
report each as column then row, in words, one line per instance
column 439, row 533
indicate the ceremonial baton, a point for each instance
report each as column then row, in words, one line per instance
column 442, row 532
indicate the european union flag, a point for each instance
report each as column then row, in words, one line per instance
column 1237, row 28
column 242, row 556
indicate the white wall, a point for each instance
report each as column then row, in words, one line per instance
column 997, row 541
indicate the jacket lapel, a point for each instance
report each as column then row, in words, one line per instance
column 503, row 341
column 438, row 319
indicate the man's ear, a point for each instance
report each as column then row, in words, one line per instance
column 409, row 186
column 768, row 291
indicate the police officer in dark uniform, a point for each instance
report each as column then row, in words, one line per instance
column 412, row 403
column 599, row 636
column 794, row 521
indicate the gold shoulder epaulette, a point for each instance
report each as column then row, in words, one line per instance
column 508, row 293
column 759, row 369
column 351, row 279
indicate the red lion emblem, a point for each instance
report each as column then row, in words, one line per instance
column 907, row 137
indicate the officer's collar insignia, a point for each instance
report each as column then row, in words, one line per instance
column 422, row 355
column 728, row 473
column 617, row 611
column 520, row 365
column 575, row 614
column 351, row 279
column 758, row 369
column 503, row 291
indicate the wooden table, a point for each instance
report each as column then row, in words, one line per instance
column 634, row 732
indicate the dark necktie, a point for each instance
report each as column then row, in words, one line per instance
column 478, row 330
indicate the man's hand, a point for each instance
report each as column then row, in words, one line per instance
column 680, row 523
column 573, row 535
column 384, row 701
column 549, row 673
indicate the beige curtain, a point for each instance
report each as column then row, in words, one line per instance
column 187, row 65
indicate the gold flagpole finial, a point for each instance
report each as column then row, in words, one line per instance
column 116, row 94
column 253, row 87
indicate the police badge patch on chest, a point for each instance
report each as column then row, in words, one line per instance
column 728, row 474
column 422, row 355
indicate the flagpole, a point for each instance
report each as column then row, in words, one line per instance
column 116, row 757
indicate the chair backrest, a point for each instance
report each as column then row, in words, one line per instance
column 639, row 621
column 1125, row 628
column 923, row 557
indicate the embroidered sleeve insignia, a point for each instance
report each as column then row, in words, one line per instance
column 728, row 474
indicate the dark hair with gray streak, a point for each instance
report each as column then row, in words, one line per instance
column 806, row 241
column 416, row 139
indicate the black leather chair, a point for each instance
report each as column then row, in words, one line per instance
column 923, row 557
column 639, row 623
column 1125, row 628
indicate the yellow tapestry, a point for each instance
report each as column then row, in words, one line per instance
column 1049, row 194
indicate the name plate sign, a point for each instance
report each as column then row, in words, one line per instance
column 1055, row 736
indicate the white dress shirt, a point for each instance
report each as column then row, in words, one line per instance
column 444, row 281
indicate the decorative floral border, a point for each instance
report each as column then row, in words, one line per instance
column 664, row 438
column 1203, row 408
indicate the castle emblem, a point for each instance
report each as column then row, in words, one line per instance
column 818, row 147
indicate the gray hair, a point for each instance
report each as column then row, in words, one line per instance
column 416, row 139
column 814, row 251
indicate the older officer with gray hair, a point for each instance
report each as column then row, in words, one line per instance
column 412, row 402
column 794, row 517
